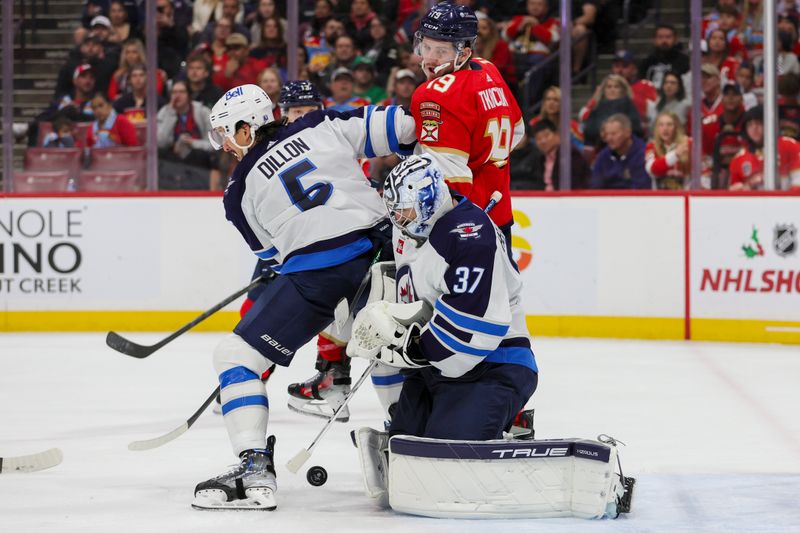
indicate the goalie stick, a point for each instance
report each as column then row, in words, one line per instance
column 31, row 463
column 140, row 351
column 149, row 444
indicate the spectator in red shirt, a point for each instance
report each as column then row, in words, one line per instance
column 667, row 154
column 132, row 54
column 718, row 55
column 219, row 50
column 240, row 69
column 109, row 128
column 489, row 45
column 534, row 33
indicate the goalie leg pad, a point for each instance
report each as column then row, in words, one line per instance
column 373, row 452
column 504, row 479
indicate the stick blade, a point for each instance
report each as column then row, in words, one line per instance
column 298, row 460
column 122, row 345
column 149, row 444
column 31, row 463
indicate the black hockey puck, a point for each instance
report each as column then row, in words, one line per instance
column 317, row 476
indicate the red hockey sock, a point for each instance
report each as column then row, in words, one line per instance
column 329, row 350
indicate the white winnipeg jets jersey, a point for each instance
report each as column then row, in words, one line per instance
column 301, row 200
column 463, row 272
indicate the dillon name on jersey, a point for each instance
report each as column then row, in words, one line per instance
column 463, row 272
column 301, row 200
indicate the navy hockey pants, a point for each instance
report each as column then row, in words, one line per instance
column 293, row 308
column 478, row 406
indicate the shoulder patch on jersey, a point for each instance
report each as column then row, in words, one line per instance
column 467, row 230
column 430, row 130
column 747, row 168
column 430, row 110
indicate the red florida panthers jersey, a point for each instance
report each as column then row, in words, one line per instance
column 469, row 121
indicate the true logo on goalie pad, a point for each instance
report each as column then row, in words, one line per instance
column 531, row 452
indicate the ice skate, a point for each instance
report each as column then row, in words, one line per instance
column 249, row 486
column 522, row 428
column 321, row 394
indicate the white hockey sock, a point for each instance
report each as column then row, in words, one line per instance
column 388, row 383
column 245, row 408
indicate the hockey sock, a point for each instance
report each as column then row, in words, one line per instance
column 329, row 350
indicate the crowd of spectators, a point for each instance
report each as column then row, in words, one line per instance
column 632, row 132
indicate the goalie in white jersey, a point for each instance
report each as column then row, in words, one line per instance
column 457, row 331
column 299, row 198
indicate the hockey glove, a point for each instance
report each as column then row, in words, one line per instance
column 389, row 332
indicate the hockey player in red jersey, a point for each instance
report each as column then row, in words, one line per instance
column 466, row 116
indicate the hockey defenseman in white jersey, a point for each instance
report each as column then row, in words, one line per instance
column 299, row 199
column 457, row 330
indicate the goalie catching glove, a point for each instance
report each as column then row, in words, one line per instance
column 389, row 333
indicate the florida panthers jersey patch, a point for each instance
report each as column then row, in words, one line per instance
column 467, row 230
column 430, row 130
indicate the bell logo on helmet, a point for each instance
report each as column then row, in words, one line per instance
column 233, row 93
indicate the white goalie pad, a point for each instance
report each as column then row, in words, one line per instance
column 503, row 478
column 372, row 450
column 382, row 284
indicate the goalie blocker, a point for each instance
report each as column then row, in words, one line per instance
column 494, row 479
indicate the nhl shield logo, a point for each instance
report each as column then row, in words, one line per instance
column 785, row 241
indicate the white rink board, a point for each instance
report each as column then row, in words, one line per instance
column 161, row 253
column 765, row 286
column 603, row 256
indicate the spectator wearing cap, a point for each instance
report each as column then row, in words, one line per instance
column 240, row 68
column 101, row 28
column 364, row 77
column 643, row 92
column 544, row 169
column 551, row 110
column 133, row 103
column 272, row 45
column 666, row 56
column 76, row 105
column 747, row 166
column 721, row 133
column 132, row 54
column 613, row 97
column 716, row 53
column 89, row 52
column 620, row 165
column 711, row 85
column 672, row 98
column 535, row 33
column 198, row 77
column 381, row 49
column 405, row 82
column 342, row 92
column 183, row 146
column 361, row 14
column 172, row 39
column 667, row 155
column 109, row 128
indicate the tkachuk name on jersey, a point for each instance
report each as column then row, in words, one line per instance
column 531, row 452
column 467, row 230
column 278, row 157
column 493, row 97
column 275, row 344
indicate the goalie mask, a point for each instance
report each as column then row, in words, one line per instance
column 416, row 195
column 245, row 103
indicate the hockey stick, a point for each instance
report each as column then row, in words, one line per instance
column 31, row 463
column 149, row 444
column 140, row 351
column 303, row 455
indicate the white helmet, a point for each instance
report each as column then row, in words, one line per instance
column 245, row 103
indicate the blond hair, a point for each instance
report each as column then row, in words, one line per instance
column 619, row 79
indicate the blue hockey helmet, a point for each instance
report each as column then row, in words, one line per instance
column 415, row 194
column 449, row 22
column 299, row 93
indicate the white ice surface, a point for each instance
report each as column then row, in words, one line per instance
column 713, row 437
